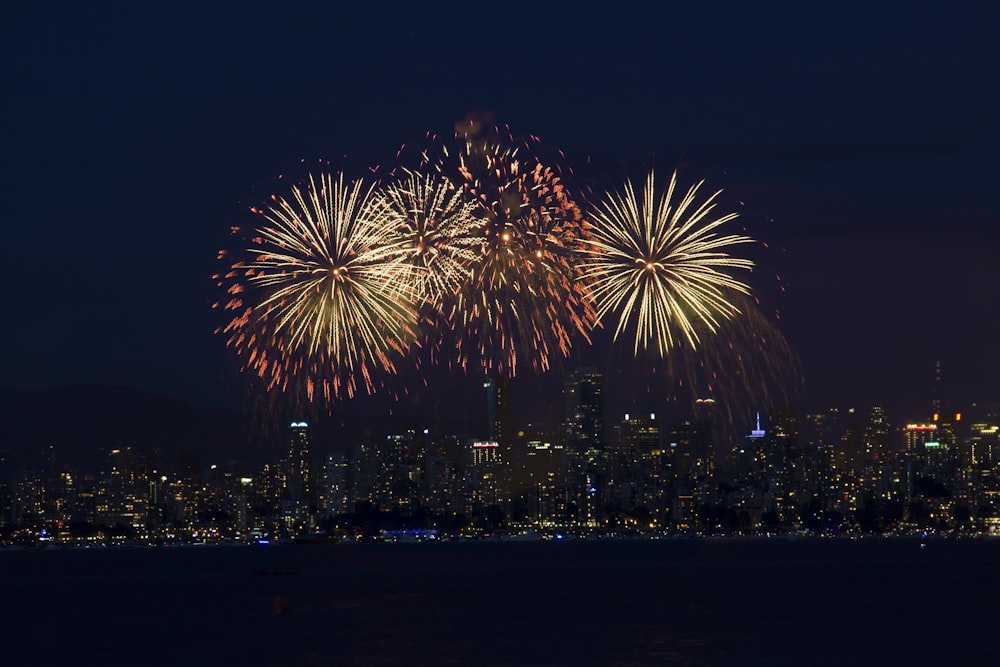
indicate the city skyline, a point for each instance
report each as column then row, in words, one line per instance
column 593, row 507
column 80, row 422
column 829, row 472
column 857, row 145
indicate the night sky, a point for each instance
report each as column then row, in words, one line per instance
column 860, row 140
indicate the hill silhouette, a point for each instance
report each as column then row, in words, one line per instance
column 82, row 422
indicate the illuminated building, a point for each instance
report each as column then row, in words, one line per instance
column 243, row 515
column 334, row 495
column 584, row 408
column 640, row 434
column 877, row 435
column 937, row 400
column 984, row 442
column 491, row 481
column 401, row 475
column 583, row 424
column 821, row 428
column 367, row 474
column 298, row 487
column 443, row 475
column 640, row 477
column 496, row 387
column 943, row 459
column 485, row 453
column 689, row 449
column 919, row 439
column 542, row 486
column 486, row 475
column 687, row 455
column 749, row 454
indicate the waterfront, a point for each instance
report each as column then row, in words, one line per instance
column 677, row 602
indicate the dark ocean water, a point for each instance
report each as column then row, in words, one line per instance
column 671, row 602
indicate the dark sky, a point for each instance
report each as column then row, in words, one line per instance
column 861, row 140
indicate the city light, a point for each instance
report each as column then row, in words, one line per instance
column 837, row 472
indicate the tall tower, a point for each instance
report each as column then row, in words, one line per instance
column 937, row 392
column 584, row 408
column 335, row 494
column 583, row 430
column 920, row 439
column 298, row 482
column 496, row 410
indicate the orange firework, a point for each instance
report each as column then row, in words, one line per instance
column 322, row 296
column 524, row 300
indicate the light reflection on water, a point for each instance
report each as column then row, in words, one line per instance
column 684, row 602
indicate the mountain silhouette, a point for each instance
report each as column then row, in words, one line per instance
column 82, row 422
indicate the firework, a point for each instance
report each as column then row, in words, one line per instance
column 749, row 363
column 662, row 264
column 746, row 365
column 439, row 231
column 524, row 299
column 323, row 295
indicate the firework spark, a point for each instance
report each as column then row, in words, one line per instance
column 748, row 364
column 436, row 223
column 662, row 264
column 323, row 295
column 524, row 299
column 745, row 365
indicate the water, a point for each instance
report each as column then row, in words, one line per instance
column 672, row 602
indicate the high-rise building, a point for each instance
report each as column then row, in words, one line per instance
column 937, row 391
column 921, row 439
column 689, row 467
column 298, row 483
column 486, row 475
column 639, row 474
column 542, row 484
column 984, row 445
column 583, row 426
column 877, row 434
column 639, row 434
column 584, row 408
column 496, row 387
column 749, row 454
column 400, row 458
column 821, row 428
column 334, row 496
column 918, row 436
column 689, row 450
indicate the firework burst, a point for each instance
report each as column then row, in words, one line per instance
column 662, row 264
column 748, row 364
column 439, row 233
column 323, row 295
column 524, row 299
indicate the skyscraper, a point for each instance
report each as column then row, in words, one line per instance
column 584, row 408
column 496, row 410
column 638, row 471
column 487, row 475
column 583, row 431
column 334, row 494
column 920, row 438
column 689, row 449
column 297, row 482
column 937, row 392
